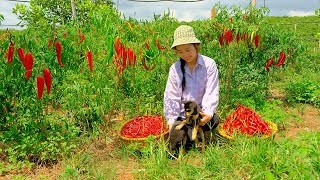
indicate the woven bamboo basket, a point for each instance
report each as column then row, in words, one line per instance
column 141, row 141
column 273, row 127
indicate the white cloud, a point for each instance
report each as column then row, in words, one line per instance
column 300, row 13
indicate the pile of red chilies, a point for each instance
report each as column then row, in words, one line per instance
column 245, row 121
column 143, row 126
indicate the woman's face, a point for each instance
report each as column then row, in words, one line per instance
column 187, row 52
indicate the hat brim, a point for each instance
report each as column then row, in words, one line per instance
column 185, row 40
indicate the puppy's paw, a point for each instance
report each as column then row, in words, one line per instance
column 179, row 126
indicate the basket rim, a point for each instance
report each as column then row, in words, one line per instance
column 272, row 125
column 141, row 138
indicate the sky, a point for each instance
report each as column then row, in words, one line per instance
column 185, row 11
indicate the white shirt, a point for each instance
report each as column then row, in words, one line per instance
column 202, row 86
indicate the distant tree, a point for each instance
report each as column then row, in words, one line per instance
column 1, row 18
column 57, row 11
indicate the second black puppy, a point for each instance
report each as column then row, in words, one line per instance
column 192, row 114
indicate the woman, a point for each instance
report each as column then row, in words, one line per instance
column 193, row 77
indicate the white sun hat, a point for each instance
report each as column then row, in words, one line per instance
column 184, row 34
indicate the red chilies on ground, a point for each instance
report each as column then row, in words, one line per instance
column 89, row 57
column 48, row 79
column 58, row 52
column 28, row 65
column 40, row 85
column 10, row 52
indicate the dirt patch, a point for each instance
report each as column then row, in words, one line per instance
column 310, row 121
column 307, row 117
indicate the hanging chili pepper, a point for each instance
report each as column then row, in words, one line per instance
column 228, row 36
column 244, row 36
column 117, row 45
column 269, row 62
column 159, row 46
column 256, row 40
column 28, row 65
column 145, row 65
column 89, row 57
column 48, row 79
column 130, row 57
column 238, row 37
column 147, row 46
column 10, row 52
column 81, row 36
column 49, row 43
column 221, row 40
column 58, row 52
column 281, row 59
column 65, row 35
column 40, row 85
column 21, row 55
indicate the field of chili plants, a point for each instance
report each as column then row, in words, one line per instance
column 66, row 90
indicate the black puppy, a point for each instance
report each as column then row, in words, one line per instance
column 192, row 114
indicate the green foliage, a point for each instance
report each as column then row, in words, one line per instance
column 42, row 13
column 304, row 92
column 1, row 18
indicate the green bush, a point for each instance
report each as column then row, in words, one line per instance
column 304, row 92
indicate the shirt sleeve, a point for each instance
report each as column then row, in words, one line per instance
column 172, row 97
column 211, row 96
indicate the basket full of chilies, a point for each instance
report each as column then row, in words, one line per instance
column 139, row 128
column 247, row 122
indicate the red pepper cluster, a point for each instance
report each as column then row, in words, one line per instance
column 245, row 121
column 280, row 62
column 122, row 55
column 227, row 37
column 143, row 126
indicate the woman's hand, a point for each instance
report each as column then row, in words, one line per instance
column 205, row 118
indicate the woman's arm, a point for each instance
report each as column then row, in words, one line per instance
column 172, row 97
column 211, row 97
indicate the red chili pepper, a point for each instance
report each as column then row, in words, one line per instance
column 10, row 52
column 238, row 37
column 228, row 36
column 49, row 43
column 81, row 36
column 269, row 63
column 28, row 65
column 144, row 62
column 58, row 52
column 281, row 59
column 48, row 79
column 65, row 35
column 89, row 56
column 147, row 46
column 244, row 37
column 256, row 40
column 117, row 45
column 21, row 56
column 40, row 85
column 221, row 40
column 159, row 46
